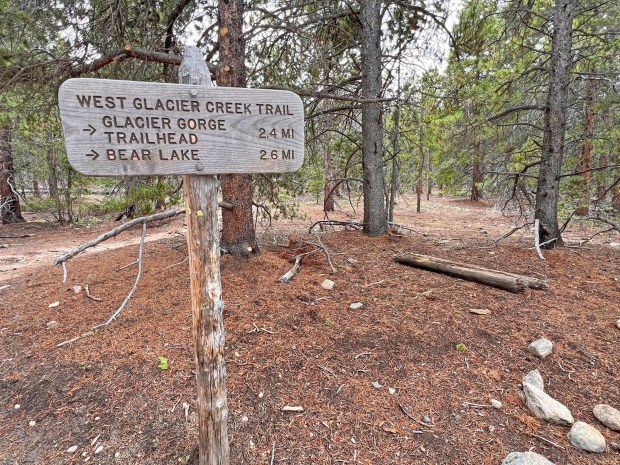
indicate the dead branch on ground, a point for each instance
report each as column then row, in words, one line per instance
column 114, row 232
column 115, row 315
column 512, row 231
column 495, row 278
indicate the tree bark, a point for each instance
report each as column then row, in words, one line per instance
column 375, row 219
column 10, row 210
column 585, row 161
column 548, row 188
column 238, row 233
column 476, row 177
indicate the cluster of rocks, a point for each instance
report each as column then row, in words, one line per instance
column 542, row 405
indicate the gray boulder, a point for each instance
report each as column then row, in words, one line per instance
column 525, row 458
column 545, row 407
column 608, row 415
column 586, row 437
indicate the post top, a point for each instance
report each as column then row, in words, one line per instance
column 193, row 69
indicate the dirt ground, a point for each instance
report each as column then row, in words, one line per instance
column 382, row 384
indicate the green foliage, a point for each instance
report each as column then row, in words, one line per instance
column 461, row 347
column 163, row 363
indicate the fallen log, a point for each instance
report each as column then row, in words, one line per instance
column 496, row 278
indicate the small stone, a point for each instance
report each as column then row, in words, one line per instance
column 32, row 423
column 117, row 455
column 97, row 418
column 496, row 404
column 491, row 428
column 54, row 304
column 541, row 347
column 52, row 324
column 72, row 449
column 261, row 395
column 17, row 406
column 77, row 289
column 535, row 379
column 586, row 437
column 608, row 415
column 377, row 385
column 618, row 323
column 525, row 458
column 252, row 445
column 427, row 419
column 244, row 419
column 356, row 305
column 392, row 391
column 99, row 450
column 615, row 446
column 328, row 284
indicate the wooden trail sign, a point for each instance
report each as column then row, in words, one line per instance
column 127, row 128
column 120, row 128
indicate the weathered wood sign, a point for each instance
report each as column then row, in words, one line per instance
column 127, row 128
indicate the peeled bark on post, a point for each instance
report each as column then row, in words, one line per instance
column 548, row 188
column 238, row 233
column 10, row 211
column 375, row 219
column 200, row 195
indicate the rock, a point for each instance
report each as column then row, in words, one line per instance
column 525, row 458
column 356, row 306
column 618, row 323
column 244, row 419
column 427, row 419
column 72, row 449
column 545, row 407
column 32, row 423
column 608, row 415
column 541, row 347
column 53, row 305
column 586, row 437
column 377, row 385
column 77, row 289
column 99, row 450
column 496, row 404
column 328, row 284
column 615, row 446
column 52, row 324
column 392, row 391
column 535, row 379
column 17, row 406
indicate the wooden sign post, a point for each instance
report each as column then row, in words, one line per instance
column 120, row 128
column 203, row 244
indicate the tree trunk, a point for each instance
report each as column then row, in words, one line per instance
column 585, row 161
column 52, row 178
column 328, row 193
column 375, row 220
column 10, row 210
column 238, row 233
column 548, row 188
column 476, row 177
column 420, row 185
column 394, row 183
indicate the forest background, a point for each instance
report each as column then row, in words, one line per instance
column 523, row 108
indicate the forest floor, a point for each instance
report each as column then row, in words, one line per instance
column 382, row 384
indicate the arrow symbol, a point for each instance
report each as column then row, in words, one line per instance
column 92, row 129
column 93, row 154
